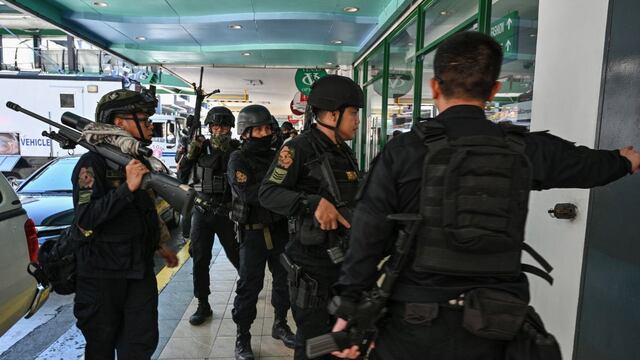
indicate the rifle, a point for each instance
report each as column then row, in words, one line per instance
column 179, row 196
column 363, row 316
column 200, row 96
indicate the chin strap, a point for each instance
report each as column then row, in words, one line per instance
column 334, row 128
column 140, row 138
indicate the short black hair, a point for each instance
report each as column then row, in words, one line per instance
column 467, row 65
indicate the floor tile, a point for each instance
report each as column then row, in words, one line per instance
column 189, row 348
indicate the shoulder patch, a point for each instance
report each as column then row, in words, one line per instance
column 278, row 175
column 285, row 157
column 84, row 196
column 241, row 177
column 86, row 178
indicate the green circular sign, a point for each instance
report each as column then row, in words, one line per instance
column 306, row 77
column 400, row 83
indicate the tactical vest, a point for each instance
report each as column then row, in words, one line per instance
column 214, row 181
column 473, row 200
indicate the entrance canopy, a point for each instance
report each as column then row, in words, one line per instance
column 316, row 33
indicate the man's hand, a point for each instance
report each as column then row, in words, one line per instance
column 351, row 353
column 328, row 216
column 633, row 157
column 170, row 257
column 135, row 171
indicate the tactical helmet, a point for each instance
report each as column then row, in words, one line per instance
column 286, row 126
column 123, row 101
column 253, row 115
column 335, row 92
column 221, row 116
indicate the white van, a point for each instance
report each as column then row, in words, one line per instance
column 166, row 134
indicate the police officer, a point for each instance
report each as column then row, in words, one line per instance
column 212, row 157
column 262, row 233
column 118, row 231
column 286, row 129
column 313, row 181
column 451, row 267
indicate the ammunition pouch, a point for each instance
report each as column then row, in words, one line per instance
column 303, row 289
column 239, row 211
column 309, row 232
column 213, row 184
column 493, row 314
column 533, row 342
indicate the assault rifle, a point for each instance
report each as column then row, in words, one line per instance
column 180, row 197
column 363, row 316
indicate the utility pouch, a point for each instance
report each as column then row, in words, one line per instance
column 307, row 294
column 218, row 185
column 533, row 342
column 310, row 233
column 292, row 224
column 239, row 211
column 493, row 314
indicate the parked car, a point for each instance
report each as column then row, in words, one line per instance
column 47, row 196
column 20, row 293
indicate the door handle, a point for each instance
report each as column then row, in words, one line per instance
column 566, row 211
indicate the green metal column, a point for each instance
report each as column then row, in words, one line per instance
column 363, row 117
column 484, row 16
column 417, row 92
column 382, row 141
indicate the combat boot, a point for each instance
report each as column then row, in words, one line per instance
column 203, row 312
column 281, row 331
column 243, row 346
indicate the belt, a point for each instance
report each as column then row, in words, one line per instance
column 265, row 232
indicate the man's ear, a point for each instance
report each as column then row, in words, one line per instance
column 435, row 88
column 494, row 90
column 118, row 122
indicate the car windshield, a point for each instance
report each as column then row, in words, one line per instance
column 55, row 178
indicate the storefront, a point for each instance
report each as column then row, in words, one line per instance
column 395, row 74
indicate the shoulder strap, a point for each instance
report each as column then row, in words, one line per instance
column 514, row 135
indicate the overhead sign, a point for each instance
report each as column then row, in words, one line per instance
column 505, row 32
column 306, row 77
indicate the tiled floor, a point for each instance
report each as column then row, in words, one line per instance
column 215, row 339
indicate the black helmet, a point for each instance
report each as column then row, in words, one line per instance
column 220, row 115
column 253, row 115
column 335, row 92
column 124, row 101
column 286, row 126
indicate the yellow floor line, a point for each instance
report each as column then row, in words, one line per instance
column 166, row 274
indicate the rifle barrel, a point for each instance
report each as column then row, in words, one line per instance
column 15, row 107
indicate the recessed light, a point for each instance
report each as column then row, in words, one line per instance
column 329, row 63
column 246, row 54
column 235, row 27
column 351, row 9
column 141, row 38
column 2, row 3
column 337, row 42
column 100, row 4
column 444, row 13
column 532, row 35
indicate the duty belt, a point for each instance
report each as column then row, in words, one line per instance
column 265, row 231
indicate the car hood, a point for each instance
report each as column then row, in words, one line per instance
column 48, row 210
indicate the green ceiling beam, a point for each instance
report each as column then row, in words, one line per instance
column 40, row 32
column 233, row 48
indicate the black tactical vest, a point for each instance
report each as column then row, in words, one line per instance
column 473, row 200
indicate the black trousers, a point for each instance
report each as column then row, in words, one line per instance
column 440, row 338
column 254, row 255
column 117, row 315
column 315, row 320
column 203, row 229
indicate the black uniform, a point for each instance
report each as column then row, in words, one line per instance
column 393, row 186
column 293, row 187
column 262, row 234
column 212, row 168
column 116, row 293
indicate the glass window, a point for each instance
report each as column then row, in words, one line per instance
column 427, row 107
column 401, row 80
column 514, row 24
column 56, row 177
column 373, row 122
column 375, row 63
column 444, row 15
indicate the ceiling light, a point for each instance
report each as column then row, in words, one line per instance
column 2, row 3
column 141, row 38
column 532, row 35
column 246, row 54
column 100, row 4
column 329, row 63
column 235, row 27
column 337, row 42
column 444, row 13
column 351, row 9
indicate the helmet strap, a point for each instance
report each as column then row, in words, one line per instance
column 140, row 133
column 334, row 128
